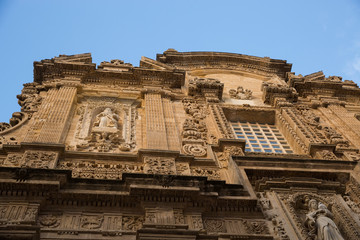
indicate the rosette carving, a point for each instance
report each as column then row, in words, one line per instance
column 196, row 150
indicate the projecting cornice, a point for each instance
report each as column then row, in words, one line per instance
column 80, row 69
column 194, row 60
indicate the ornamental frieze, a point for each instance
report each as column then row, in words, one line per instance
column 99, row 170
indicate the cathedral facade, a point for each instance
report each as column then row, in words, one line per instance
column 192, row 145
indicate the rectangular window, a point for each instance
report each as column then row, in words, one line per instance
column 269, row 137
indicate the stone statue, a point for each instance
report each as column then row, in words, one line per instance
column 319, row 221
column 107, row 119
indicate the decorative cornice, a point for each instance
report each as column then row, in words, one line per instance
column 194, row 60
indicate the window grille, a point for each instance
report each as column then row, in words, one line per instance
column 261, row 137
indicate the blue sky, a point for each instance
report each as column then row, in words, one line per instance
column 312, row 35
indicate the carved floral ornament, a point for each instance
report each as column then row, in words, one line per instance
column 195, row 132
column 240, row 93
column 32, row 159
column 99, row 170
column 105, row 125
column 88, row 221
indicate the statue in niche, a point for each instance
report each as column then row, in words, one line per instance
column 319, row 221
column 107, row 121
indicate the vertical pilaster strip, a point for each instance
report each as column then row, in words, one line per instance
column 155, row 124
column 170, row 125
column 52, row 120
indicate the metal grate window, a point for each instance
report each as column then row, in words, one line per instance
column 261, row 137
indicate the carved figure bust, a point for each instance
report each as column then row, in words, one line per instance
column 319, row 221
column 107, row 121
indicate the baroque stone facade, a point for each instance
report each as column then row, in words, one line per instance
column 192, row 145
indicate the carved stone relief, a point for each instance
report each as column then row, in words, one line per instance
column 306, row 208
column 49, row 221
column 319, row 222
column 273, row 215
column 8, row 140
column 99, row 170
column 352, row 156
column 30, row 98
column 17, row 119
column 73, row 223
column 161, row 216
column 91, row 222
column 195, row 132
column 179, row 216
column 132, row 223
column 311, row 130
column 326, row 154
column 32, row 159
column 196, row 222
column 105, row 125
column 18, row 213
column 40, row 159
column 273, row 91
column 13, row 160
column 208, row 88
column 183, row 168
column 221, row 121
column 355, row 207
column 224, row 157
column 256, row 227
column 159, row 165
column 237, row 226
column 210, row 173
column 240, row 93
column 214, row 225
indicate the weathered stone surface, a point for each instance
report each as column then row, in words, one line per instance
column 157, row 151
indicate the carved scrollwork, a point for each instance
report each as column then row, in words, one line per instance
column 91, row 222
column 17, row 119
column 195, row 149
column 30, row 98
column 4, row 126
column 182, row 168
column 209, row 88
column 210, row 173
column 197, row 222
column 224, row 157
column 179, row 216
column 214, row 225
column 99, row 170
column 195, row 132
column 159, row 165
column 13, row 160
column 132, row 223
column 40, row 159
column 255, row 227
column 273, row 91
